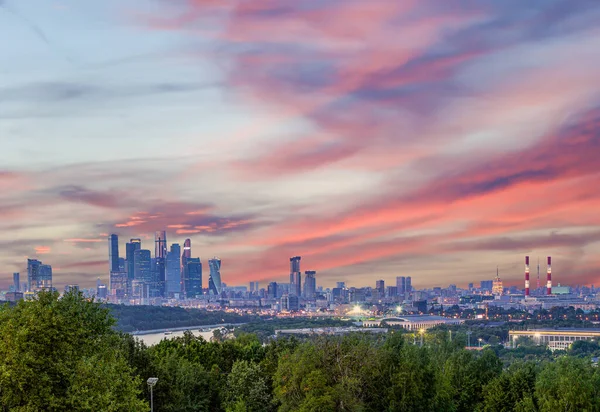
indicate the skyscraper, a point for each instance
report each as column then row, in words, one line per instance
column 295, row 276
column 113, row 253
column 408, row 284
column 310, row 284
column 33, row 269
column 214, row 279
column 187, row 253
column 142, row 265
column 173, row 270
column 160, row 254
column 193, row 280
column 401, row 285
column 16, row 281
column 272, row 290
column 160, row 244
column 380, row 286
column 130, row 248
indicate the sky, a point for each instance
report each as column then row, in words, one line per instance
column 432, row 139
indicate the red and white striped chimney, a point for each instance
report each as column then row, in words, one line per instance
column 526, row 276
column 549, row 277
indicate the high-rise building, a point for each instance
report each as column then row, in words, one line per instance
column 113, row 253
column 272, row 290
column 187, row 253
column 17, row 282
column 118, row 284
column 290, row 303
column 310, row 284
column 214, row 279
column 130, row 248
column 408, row 284
column 160, row 244
column 33, row 269
column 193, row 277
column 173, row 270
column 380, row 286
column 45, row 277
column 254, row 288
column 142, row 263
column 71, row 288
column 295, row 276
column 486, row 285
column 401, row 285
column 341, row 285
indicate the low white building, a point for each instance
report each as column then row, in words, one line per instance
column 413, row 322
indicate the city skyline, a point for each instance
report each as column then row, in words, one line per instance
column 400, row 139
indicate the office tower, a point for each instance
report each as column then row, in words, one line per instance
column 401, row 285
column 408, row 284
column 341, row 285
column 310, row 284
column 526, row 276
column 71, row 288
column 380, row 287
column 486, row 285
column 173, row 270
column 272, row 290
column 193, row 277
column 254, row 287
column 17, row 281
column 187, row 253
column 391, row 291
column 33, row 268
column 295, row 276
column 160, row 244
column 102, row 292
column 113, row 253
column 290, row 303
column 214, row 279
column 98, row 283
column 142, row 263
column 549, row 277
column 130, row 248
column 44, row 277
column 118, row 283
column 122, row 265
column 470, row 287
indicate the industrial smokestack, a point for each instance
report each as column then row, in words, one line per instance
column 526, row 276
column 549, row 277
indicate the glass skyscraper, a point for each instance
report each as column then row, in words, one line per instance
column 295, row 276
column 130, row 248
column 214, row 280
column 173, row 270
column 113, row 253
column 310, row 284
column 142, row 265
column 193, row 277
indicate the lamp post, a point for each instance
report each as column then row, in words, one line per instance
column 469, row 338
column 480, row 342
column 151, row 382
column 422, row 331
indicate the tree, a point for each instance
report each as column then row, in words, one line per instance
column 247, row 385
column 56, row 351
column 569, row 384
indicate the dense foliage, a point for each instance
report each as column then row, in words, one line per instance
column 265, row 328
column 62, row 354
column 134, row 318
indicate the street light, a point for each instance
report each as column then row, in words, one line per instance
column 151, row 382
column 480, row 342
column 422, row 331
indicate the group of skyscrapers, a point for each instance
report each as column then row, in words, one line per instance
column 171, row 273
column 310, row 281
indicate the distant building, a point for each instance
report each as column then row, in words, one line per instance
column 187, row 253
column 272, row 290
column 391, row 291
column 497, row 288
column 401, row 285
column 414, row 322
column 118, row 284
column 193, row 277
column 554, row 338
column 160, row 244
column 380, row 287
column 340, row 285
column 486, row 285
column 173, row 270
column 214, row 279
column 130, row 248
column 310, row 284
column 113, row 253
column 17, row 282
column 71, row 288
column 14, row 296
column 39, row 276
column 142, row 263
column 295, row 276
column 408, row 284
column 290, row 303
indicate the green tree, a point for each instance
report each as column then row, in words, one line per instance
column 569, row 384
column 511, row 389
column 55, row 351
column 247, row 385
